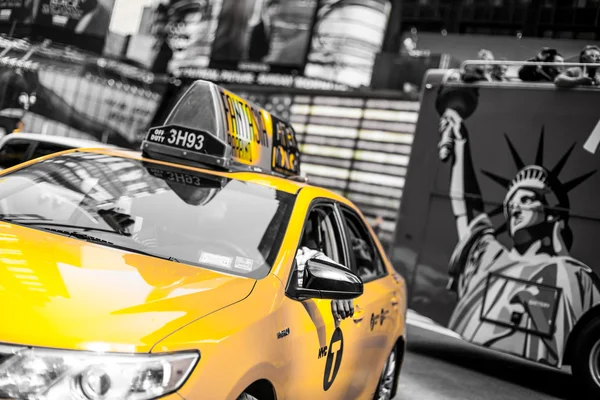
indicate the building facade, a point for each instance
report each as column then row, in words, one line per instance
column 557, row 19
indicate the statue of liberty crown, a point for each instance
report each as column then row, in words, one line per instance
column 536, row 176
column 530, row 176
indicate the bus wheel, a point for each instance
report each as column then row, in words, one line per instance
column 586, row 359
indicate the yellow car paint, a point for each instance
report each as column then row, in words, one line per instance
column 57, row 291
column 68, row 294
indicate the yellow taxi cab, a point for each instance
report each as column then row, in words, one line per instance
column 175, row 272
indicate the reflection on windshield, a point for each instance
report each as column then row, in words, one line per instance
column 217, row 223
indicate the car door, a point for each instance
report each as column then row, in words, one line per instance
column 377, row 310
column 323, row 351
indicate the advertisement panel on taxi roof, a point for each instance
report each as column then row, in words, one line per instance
column 259, row 138
column 253, row 136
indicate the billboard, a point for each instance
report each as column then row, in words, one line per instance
column 80, row 23
column 247, row 35
column 188, row 28
column 346, row 39
column 272, row 34
column 268, row 42
column 93, row 99
column 499, row 215
column 14, row 11
column 82, row 17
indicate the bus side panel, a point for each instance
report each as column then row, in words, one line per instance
column 509, row 252
column 414, row 208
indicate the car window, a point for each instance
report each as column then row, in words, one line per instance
column 369, row 264
column 323, row 233
column 44, row 149
column 13, row 152
column 199, row 219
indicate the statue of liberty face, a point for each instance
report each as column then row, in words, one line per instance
column 526, row 209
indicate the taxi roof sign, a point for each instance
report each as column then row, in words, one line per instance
column 213, row 126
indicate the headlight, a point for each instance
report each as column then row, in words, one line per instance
column 42, row 374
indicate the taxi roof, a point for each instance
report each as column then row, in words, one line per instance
column 275, row 182
column 214, row 131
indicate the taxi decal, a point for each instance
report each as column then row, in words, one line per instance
column 176, row 176
column 283, row 333
column 243, row 263
column 378, row 319
column 186, row 139
column 216, row 260
column 322, row 352
column 334, row 358
column 193, row 188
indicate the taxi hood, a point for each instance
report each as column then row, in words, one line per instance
column 65, row 293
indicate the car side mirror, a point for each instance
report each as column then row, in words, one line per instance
column 322, row 279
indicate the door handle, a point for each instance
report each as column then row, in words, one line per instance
column 395, row 302
column 359, row 314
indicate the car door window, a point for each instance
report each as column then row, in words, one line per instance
column 368, row 260
column 44, row 149
column 13, row 152
column 322, row 232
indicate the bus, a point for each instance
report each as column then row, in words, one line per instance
column 500, row 218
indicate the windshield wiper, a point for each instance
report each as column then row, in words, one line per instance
column 35, row 222
column 23, row 217
column 93, row 239
column 82, row 236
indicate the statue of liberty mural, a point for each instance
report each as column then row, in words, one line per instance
column 523, row 299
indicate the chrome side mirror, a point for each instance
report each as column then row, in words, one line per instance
column 322, row 279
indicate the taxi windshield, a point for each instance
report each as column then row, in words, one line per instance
column 216, row 223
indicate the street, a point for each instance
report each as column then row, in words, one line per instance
column 437, row 367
